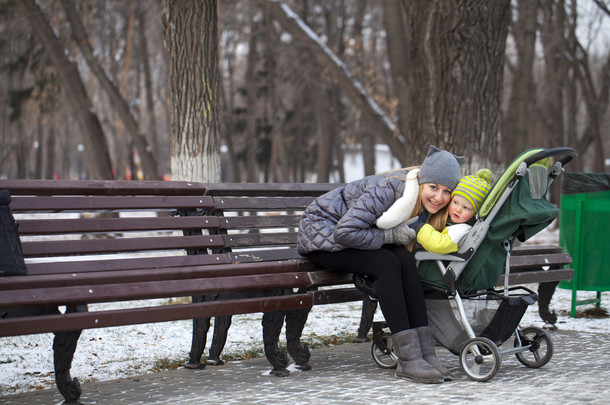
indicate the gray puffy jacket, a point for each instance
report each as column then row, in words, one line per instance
column 345, row 217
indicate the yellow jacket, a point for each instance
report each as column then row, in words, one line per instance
column 443, row 242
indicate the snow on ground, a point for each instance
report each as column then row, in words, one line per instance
column 26, row 362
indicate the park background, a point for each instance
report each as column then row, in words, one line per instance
column 296, row 90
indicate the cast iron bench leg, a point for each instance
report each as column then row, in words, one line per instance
column 366, row 320
column 64, row 346
column 200, row 332
column 295, row 322
column 219, row 339
column 272, row 327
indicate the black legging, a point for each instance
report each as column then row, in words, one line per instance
column 400, row 292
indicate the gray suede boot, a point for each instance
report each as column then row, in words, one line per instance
column 426, row 342
column 411, row 364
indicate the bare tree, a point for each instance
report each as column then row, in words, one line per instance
column 191, row 37
column 351, row 87
column 149, row 163
column 98, row 158
column 515, row 134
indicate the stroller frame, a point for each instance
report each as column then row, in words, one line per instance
column 480, row 354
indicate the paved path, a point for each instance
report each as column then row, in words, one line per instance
column 578, row 373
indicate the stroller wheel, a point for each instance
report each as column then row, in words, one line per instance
column 540, row 346
column 383, row 355
column 480, row 359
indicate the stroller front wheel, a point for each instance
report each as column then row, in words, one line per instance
column 382, row 352
column 540, row 347
column 480, row 359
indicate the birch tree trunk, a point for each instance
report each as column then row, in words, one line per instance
column 191, row 38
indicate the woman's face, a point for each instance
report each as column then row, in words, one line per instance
column 435, row 197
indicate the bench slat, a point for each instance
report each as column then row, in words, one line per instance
column 260, row 239
column 535, row 250
column 150, row 289
column 262, row 203
column 103, row 319
column 126, row 264
column 265, row 255
column 141, row 275
column 335, row 296
column 524, row 262
column 270, row 189
column 119, row 245
column 80, row 225
column 533, row 277
column 102, row 187
column 102, row 203
column 259, row 221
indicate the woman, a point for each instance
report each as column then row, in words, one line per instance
column 363, row 227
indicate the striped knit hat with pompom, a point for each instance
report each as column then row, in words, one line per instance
column 474, row 188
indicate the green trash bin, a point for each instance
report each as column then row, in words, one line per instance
column 584, row 232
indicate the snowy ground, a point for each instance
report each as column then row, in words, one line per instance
column 26, row 361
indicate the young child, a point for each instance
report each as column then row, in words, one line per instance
column 465, row 202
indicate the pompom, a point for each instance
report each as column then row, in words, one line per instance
column 485, row 174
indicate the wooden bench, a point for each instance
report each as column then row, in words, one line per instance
column 229, row 246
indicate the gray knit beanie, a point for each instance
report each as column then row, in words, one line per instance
column 441, row 167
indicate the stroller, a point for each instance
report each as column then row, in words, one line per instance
column 469, row 316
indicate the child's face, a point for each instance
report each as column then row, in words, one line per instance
column 435, row 197
column 460, row 209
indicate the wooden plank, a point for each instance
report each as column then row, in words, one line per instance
column 535, row 250
column 260, row 239
column 101, row 187
column 269, row 189
column 142, row 275
column 126, row 264
column 81, row 225
column 119, row 245
column 259, row 221
column 104, row 203
column 530, row 277
column 538, row 261
column 328, row 278
column 265, row 255
column 334, row 296
column 40, row 297
column 262, row 203
column 134, row 316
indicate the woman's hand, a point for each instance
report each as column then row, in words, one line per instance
column 401, row 234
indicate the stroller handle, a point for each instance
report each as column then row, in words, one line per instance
column 567, row 153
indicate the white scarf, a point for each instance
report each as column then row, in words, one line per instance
column 400, row 211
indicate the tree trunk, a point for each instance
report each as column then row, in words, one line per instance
column 148, row 87
column 251, row 129
column 149, row 163
column 98, row 158
column 515, row 134
column 398, row 55
column 456, row 59
column 191, row 37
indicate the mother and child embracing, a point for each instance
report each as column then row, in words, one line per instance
column 369, row 227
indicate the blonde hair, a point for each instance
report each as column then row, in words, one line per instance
column 438, row 221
